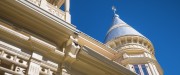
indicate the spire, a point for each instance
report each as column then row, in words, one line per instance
column 119, row 28
column 116, row 18
column 114, row 9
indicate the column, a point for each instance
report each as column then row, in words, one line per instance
column 67, row 5
column 67, row 11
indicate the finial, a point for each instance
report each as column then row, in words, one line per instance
column 114, row 9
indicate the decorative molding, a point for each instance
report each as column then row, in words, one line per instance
column 34, row 69
column 33, row 41
column 14, row 33
column 15, row 52
column 116, row 66
column 49, row 8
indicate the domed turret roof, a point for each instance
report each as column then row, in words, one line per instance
column 120, row 28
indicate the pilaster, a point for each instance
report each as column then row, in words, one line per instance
column 67, row 11
column 34, row 67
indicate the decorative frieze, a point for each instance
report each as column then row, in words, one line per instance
column 20, row 70
column 13, row 50
column 51, row 66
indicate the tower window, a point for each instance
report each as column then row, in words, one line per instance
column 137, row 69
column 144, row 69
column 141, row 69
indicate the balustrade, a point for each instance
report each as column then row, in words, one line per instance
column 49, row 8
column 55, row 11
column 36, row 2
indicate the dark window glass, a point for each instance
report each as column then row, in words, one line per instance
column 137, row 69
column 144, row 70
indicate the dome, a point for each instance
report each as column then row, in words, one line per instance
column 120, row 28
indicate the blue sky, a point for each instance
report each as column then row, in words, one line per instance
column 158, row 20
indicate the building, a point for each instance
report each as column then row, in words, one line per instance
column 37, row 38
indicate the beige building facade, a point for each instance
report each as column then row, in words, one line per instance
column 37, row 38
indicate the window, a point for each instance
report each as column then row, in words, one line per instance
column 137, row 69
column 141, row 69
column 144, row 69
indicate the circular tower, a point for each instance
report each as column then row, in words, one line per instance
column 134, row 50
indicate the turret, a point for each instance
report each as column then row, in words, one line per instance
column 135, row 51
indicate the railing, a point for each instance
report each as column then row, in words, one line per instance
column 36, row 2
column 49, row 8
column 55, row 11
